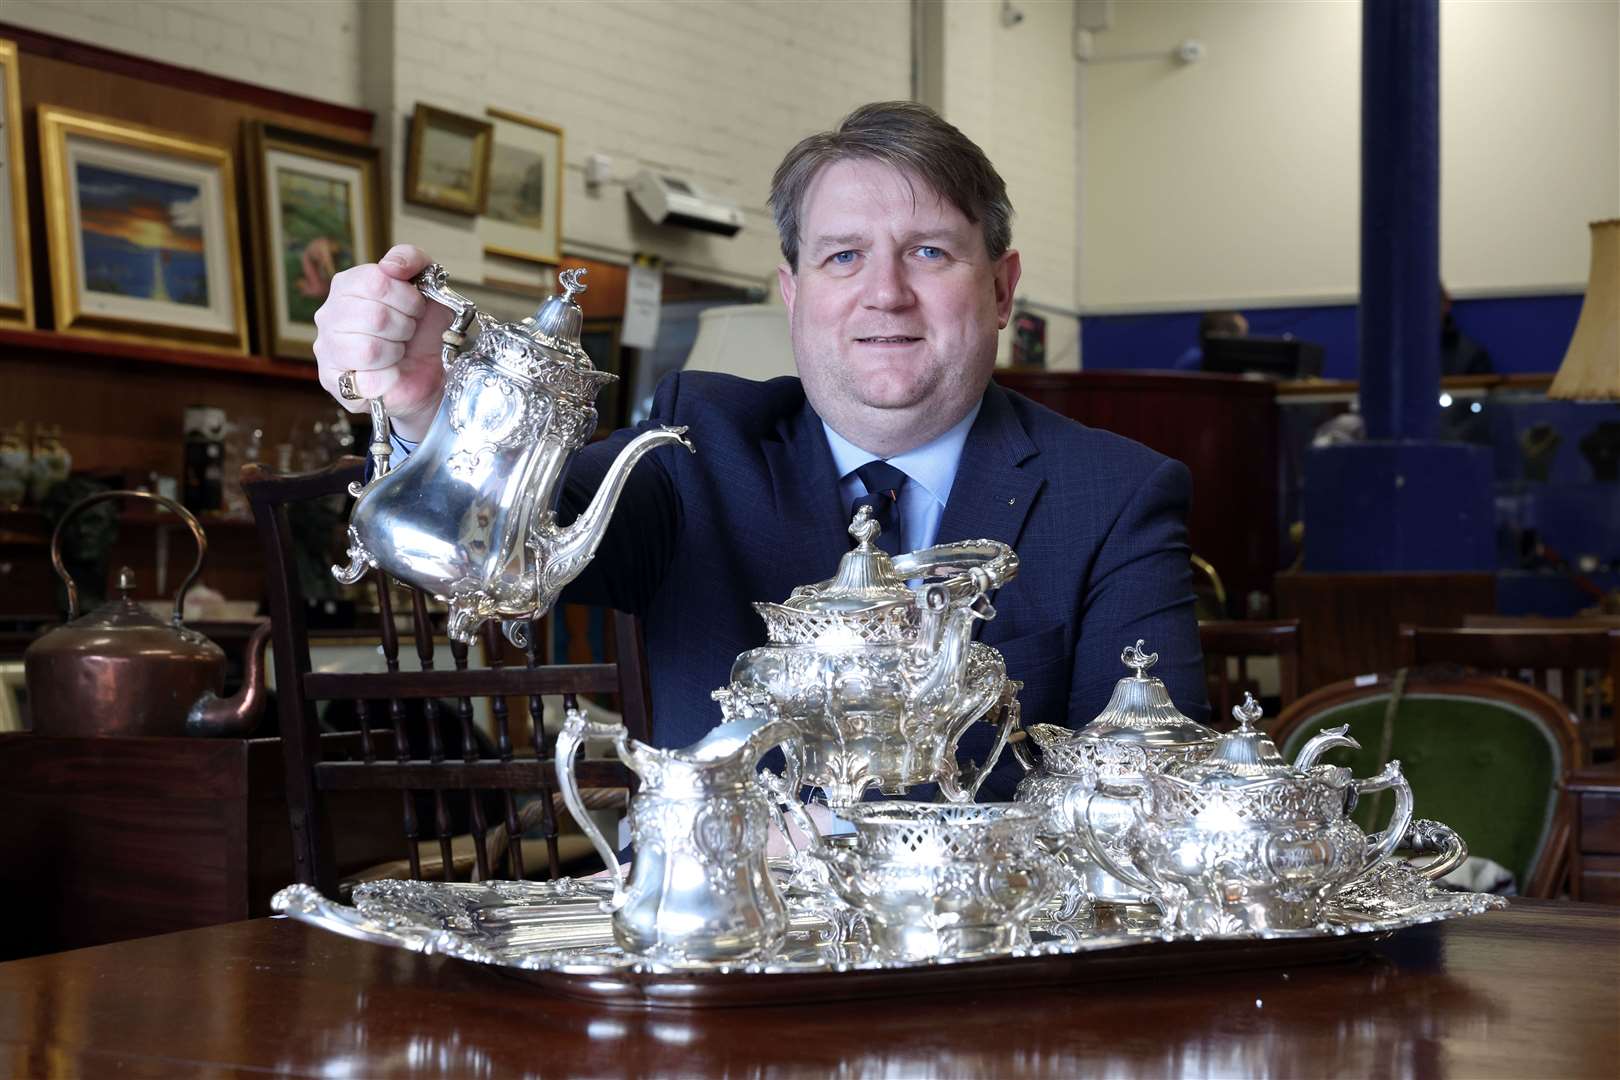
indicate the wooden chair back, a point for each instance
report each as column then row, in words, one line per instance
column 1230, row 643
column 464, row 783
column 1491, row 757
column 1577, row 663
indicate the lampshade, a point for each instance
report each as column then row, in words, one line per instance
column 751, row 340
column 1591, row 367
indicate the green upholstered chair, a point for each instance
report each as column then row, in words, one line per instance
column 1486, row 755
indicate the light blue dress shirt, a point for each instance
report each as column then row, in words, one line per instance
column 930, row 470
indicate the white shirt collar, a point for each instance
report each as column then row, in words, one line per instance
column 932, row 466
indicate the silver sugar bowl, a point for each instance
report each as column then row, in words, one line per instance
column 1140, row 732
column 941, row 880
column 1244, row 842
column 470, row 515
column 882, row 677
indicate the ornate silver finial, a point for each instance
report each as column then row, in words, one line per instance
column 1137, row 658
column 1247, row 714
column 865, row 527
column 569, row 280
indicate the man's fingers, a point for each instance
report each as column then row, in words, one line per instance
column 350, row 314
column 404, row 261
column 337, row 352
column 370, row 281
column 364, row 385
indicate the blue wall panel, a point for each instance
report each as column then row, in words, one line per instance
column 1525, row 335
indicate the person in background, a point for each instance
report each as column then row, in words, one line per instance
column 897, row 275
column 1212, row 324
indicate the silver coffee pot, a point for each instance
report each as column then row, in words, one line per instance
column 470, row 517
column 884, row 678
column 700, row 886
column 1139, row 732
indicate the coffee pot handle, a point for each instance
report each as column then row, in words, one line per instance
column 1077, row 806
column 1431, row 837
column 576, row 731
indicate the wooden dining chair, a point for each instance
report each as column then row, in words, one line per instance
column 431, row 756
column 1228, row 646
column 1488, row 756
column 1571, row 662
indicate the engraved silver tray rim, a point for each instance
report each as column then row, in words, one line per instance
column 558, row 929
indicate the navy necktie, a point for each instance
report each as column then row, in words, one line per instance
column 883, row 483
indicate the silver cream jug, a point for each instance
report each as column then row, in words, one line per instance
column 470, row 516
column 700, row 887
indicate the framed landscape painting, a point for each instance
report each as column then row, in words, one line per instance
column 16, row 280
column 523, row 217
column 142, row 231
column 447, row 160
column 316, row 209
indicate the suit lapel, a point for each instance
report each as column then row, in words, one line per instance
column 991, row 495
column 804, row 483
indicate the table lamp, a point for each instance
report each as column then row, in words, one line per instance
column 1591, row 367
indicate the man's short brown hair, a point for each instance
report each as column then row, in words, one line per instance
column 912, row 139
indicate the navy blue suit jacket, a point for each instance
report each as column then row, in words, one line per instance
column 1098, row 521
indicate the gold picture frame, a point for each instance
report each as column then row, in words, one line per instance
column 16, row 263
column 142, row 231
column 316, row 207
column 523, row 214
column 447, row 160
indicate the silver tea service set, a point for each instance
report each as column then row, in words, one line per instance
column 867, row 684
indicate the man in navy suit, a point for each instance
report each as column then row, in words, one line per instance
column 897, row 275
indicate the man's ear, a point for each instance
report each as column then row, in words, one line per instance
column 1008, row 271
column 788, row 284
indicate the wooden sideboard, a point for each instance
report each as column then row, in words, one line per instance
column 113, row 838
column 1595, row 840
column 1222, row 427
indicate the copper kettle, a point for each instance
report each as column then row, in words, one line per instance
column 120, row 671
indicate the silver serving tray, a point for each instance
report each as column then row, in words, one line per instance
column 556, row 933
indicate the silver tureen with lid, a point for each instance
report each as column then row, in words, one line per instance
column 1140, row 731
column 878, row 667
column 470, row 516
column 1244, row 841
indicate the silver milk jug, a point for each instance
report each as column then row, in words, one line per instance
column 470, row 516
column 700, row 887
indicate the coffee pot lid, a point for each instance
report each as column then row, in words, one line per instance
column 865, row 580
column 1140, row 710
column 1244, row 753
column 559, row 320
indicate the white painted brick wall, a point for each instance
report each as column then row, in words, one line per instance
column 300, row 46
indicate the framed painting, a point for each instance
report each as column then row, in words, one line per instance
column 523, row 216
column 142, row 230
column 447, row 160
column 316, row 208
column 16, row 270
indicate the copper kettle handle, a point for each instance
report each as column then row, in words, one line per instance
column 103, row 496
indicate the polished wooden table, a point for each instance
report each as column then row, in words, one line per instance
column 1529, row 992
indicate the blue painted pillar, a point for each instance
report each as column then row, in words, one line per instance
column 1400, row 501
column 1400, row 218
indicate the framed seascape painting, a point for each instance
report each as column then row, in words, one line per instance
column 447, row 160
column 523, row 218
column 316, row 209
column 16, row 272
column 142, row 231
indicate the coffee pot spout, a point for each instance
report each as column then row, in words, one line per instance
column 566, row 551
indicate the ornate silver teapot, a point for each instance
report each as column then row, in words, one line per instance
column 882, row 678
column 1139, row 732
column 1243, row 841
column 470, row 516
column 700, row 887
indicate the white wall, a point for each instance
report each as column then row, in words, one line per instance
column 1234, row 181
column 291, row 45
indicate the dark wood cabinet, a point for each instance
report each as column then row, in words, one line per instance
column 1595, row 840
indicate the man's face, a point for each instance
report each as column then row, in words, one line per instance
column 894, row 306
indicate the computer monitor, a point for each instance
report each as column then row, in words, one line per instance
column 1279, row 357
